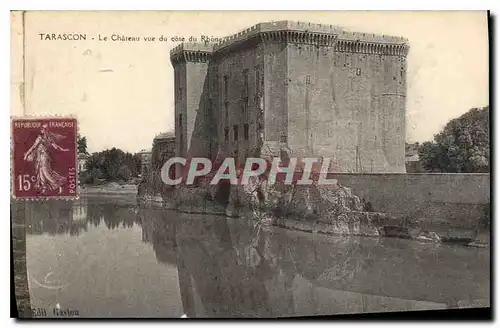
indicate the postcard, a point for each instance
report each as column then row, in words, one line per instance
column 171, row 164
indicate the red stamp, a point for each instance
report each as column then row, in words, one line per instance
column 44, row 160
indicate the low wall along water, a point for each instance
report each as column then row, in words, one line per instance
column 461, row 198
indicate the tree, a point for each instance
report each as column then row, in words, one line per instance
column 462, row 146
column 82, row 144
column 124, row 173
column 112, row 165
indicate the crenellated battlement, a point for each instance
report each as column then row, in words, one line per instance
column 192, row 52
column 321, row 39
column 308, row 33
column 372, row 48
column 190, row 46
column 295, row 32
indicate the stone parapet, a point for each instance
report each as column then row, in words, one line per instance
column 332, row 36
column 191, row 52
column 306, row 32
column 191, row 46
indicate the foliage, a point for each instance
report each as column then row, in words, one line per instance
column 410, row 147
column 124, row 172
column 81, row 144
column 112, row 165
column 462, row 146
column 91, row 177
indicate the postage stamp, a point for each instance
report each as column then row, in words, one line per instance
column 44, row 158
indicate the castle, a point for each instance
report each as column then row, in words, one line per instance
column 313, row 89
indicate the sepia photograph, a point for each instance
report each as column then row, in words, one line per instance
column 250, row 164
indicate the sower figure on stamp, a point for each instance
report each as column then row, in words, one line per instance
column 47, row 179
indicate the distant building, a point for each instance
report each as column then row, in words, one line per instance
column 311, row 88
column 145, row 155
column 163, row 147
column 163, row 150
column 412, row 159
column 82, row 159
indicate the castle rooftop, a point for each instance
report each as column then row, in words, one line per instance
column 289, row 26
column 285, row 26
column 191, row 46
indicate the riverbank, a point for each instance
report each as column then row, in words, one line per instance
column 361, row 224
column 109, row 189
column 435, row 234
column 351, row 221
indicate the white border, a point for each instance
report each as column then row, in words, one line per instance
column 181, row 5
column 252, row 5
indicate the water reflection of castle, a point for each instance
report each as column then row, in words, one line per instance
column 228, row 268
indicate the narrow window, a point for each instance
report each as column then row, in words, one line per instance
column 257, row 80
column 226, row 87
column 245, row 83
column 226, row 134
column 235, row 132
column 226, row 112
column 245, row 131
column 244, row 107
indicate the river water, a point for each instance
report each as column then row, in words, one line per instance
column 108, row 257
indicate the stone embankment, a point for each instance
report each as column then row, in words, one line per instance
column 109, row 189
column 313, row 208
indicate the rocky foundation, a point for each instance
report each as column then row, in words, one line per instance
column 312, row 208
column 328, row 209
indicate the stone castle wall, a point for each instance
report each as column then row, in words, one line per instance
column 180, row 108
column 238, row 106
column 349, row 106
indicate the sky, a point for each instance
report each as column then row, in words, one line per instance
column 122, row 92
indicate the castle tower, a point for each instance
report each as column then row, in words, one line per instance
column 193, row 112
column 314, row 89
